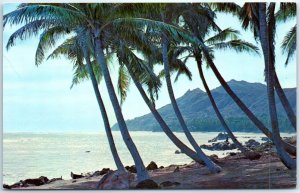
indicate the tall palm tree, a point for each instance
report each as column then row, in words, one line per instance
column 76, row 50
column 267, row 47
column 141, row 73
column 37, row 17
column 198, row 41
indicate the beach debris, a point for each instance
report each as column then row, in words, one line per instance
column 147, row 184
column 76, row 176
column 116, row 180
column 152, row 166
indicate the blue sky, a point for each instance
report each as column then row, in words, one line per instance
column 39, row 99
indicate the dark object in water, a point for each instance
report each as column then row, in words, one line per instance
column 76, row 176
column 87, row 151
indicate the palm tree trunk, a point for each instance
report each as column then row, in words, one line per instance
column 264, row 40
column 284, row 101
column 288, row 147
column 212, row 167
column 184, row 149
column 109, row 135
column 142, row 173
column 198, row 57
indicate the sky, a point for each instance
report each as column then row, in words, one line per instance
column 39, row 99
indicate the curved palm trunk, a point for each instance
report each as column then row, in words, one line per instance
column 109, row 135
column 142, row 173
column 184, row 149
column 212, row 167
column 213, row 103
column 284, row 101
column 264, row 40
column 288, row 147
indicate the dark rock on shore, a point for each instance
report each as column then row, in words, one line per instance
column 131, row 169
column 169, row 184
column 147, row 184
column 251, row 143
column 100, row 173
column 76, row 176
column 31, row 182
column 219, row 146
column 177, row 152
column 152, row 166
column 220, row 136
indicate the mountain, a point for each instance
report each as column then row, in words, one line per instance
column 200, row 116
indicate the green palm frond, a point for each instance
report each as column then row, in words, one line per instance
column 289, row 44
column 286, row 11
column 237, row 45
column 123, row 82
column 47, row 40
column 223, row 35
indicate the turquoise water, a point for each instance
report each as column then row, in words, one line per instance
column 29, row 155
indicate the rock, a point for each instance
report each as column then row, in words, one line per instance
column 73, row 181
column 87, row 151
column 76, row 176
column 116, row 180
column 131, row 169
column 169, row 184
column 291, row 140
column 251, row 143
column 219, row 146
column 177, row 169
column 161, row 167
column 265, row 139
column 147, row 184
column 177, row 152
column 232, row 153
column 5, row 186
column 36, row 181
column 152, row 166
column 220, row 136
column 253, row 155
column 214, row 158
column 54, row 179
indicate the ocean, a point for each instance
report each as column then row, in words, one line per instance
column 31, row 155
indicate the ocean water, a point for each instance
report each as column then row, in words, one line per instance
column 30, row 155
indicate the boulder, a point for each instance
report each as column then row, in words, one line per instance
column 76, row 176
column 147, row 184
column 116, row 180
column 253, row 155
column 220, row 136
column 251, row 143
column 169, row 184
column 152, row 166
column 177, row 152
column 161, row 167
column 219, row 146
column 54, row 179
column 131, row 169
column 36, row 181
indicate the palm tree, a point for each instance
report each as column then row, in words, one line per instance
column 198, row 41
column 75, row 50
column 141, row 72
column 265, row 36
column 39, row 17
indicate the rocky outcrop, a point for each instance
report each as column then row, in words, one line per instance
column 252, row 144
column 147, row 184
column 31, row 182
column 152, row 166
column 131, row 169
column 76, row 176
column 220, row 136
column 219, row 146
